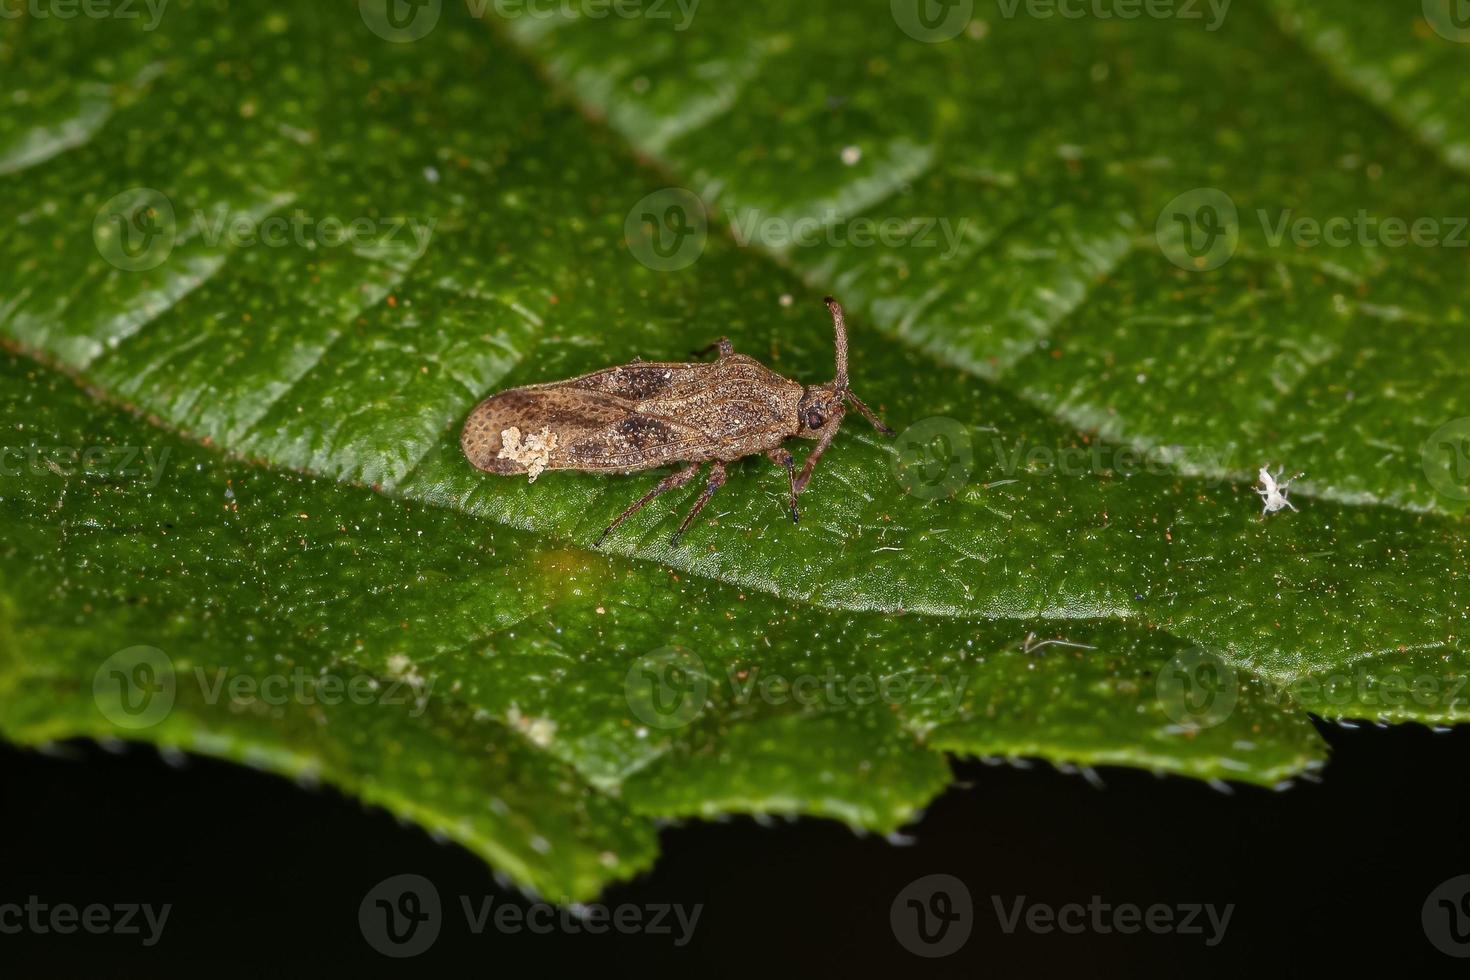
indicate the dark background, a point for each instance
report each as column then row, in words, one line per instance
column 265, row 874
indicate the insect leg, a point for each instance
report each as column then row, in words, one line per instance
column 783, row 458
column 668, row 483
column 723, row 345
column 825, row 440
column 716, row 480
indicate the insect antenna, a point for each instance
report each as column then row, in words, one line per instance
column 839, row 324
column 869, row 414
column 839, row 384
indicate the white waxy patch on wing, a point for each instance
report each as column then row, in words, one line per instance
column 534, row 452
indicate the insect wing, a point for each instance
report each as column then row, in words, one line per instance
column 572, row 428
column 644, row 380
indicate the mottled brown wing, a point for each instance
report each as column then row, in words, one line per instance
column 573, row 427
column 643, row 380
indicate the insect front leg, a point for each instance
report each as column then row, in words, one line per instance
column 670, row 482
column 783, row 458
column 828, row 434
column 716, row 480
column 723, row 345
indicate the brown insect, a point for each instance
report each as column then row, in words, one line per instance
column 648, row 414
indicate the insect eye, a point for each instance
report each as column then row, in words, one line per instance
column 814, row 418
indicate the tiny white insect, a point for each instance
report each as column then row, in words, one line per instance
column 1273, row 494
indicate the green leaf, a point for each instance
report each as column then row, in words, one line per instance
column 1076, row 585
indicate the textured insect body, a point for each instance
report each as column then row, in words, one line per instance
column 648, row 414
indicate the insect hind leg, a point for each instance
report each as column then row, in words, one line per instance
column 716, row 480
column 671, row 482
